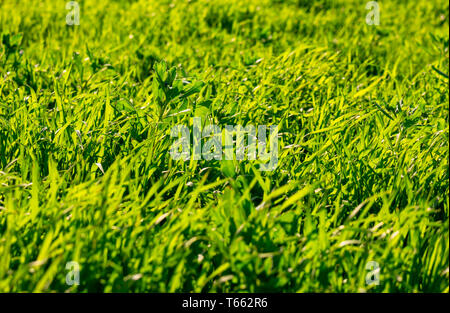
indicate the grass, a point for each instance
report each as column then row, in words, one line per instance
column 86, row 175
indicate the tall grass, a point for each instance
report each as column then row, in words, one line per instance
column 86, row 175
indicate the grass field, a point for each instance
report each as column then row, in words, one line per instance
column 363, row 171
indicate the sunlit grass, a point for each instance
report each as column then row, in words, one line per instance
column 86, row 175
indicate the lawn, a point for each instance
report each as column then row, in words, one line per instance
column 92, row 201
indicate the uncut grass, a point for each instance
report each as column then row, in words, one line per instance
column 85, row 173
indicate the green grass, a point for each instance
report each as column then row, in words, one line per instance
column 363, row 171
